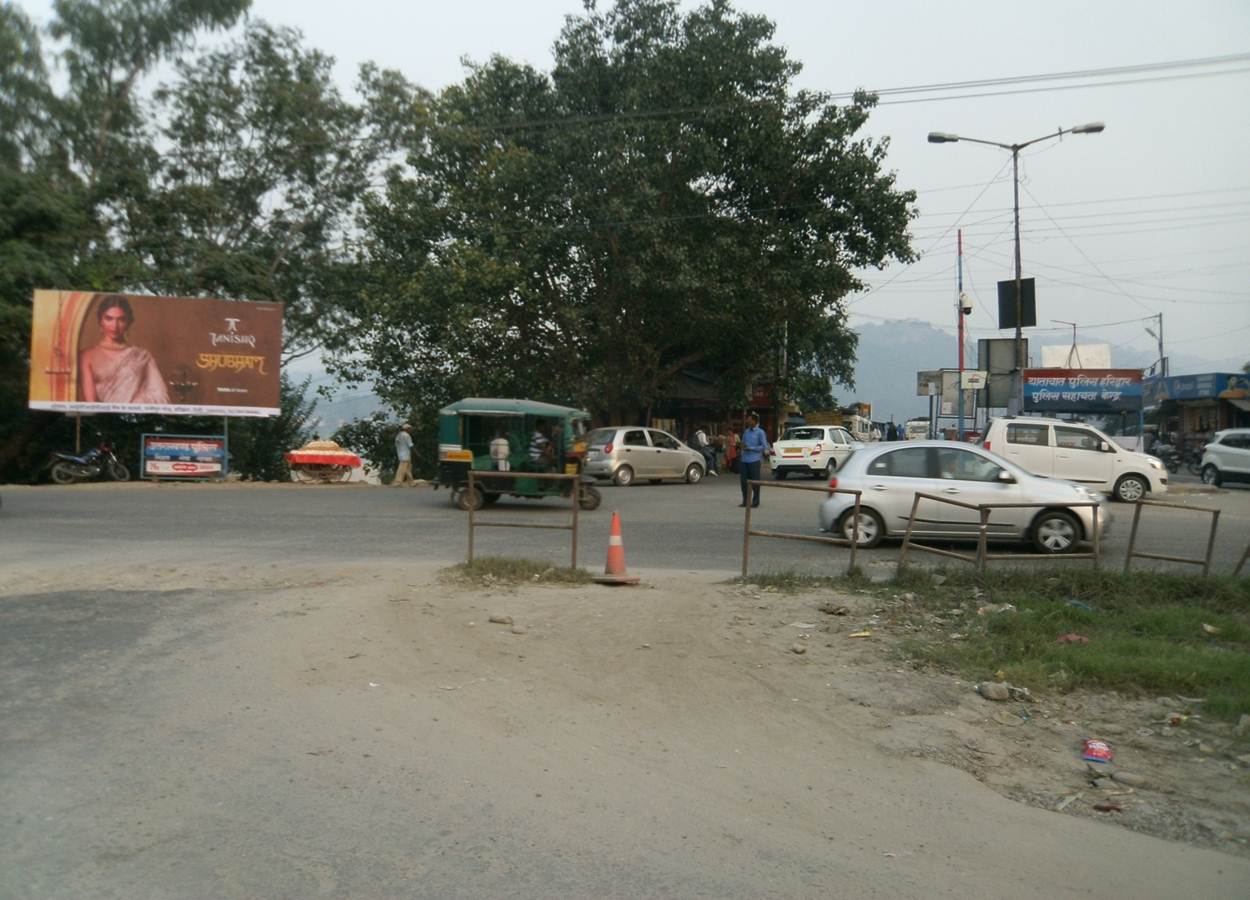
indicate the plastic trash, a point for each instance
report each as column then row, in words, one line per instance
column 1094, row 750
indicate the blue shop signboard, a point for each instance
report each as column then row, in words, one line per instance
column 1207, row 386
column 1082, row 390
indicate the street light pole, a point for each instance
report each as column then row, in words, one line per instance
column 942, row 137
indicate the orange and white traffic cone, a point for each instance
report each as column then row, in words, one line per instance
column 614, row 571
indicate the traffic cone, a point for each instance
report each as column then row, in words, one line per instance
column 614, row 571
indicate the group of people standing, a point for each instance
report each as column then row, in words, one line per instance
column 742, row 454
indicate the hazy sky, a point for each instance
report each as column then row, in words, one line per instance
column 1152, row 215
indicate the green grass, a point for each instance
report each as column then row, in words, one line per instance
column 1145, row 629
column 501, row 569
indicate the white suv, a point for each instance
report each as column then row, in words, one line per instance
column 1074, row 451
column 1227, row 457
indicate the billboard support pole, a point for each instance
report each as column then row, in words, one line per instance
column 225, row 447
column 78, row 434
column 959, row 311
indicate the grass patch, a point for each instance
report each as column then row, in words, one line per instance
column 505, row 570
column 1146, row 632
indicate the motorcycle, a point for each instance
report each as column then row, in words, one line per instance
column 98, row 462
column 1193, row 460
column 1169, row 456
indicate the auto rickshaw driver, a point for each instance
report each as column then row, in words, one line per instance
column 542, row 451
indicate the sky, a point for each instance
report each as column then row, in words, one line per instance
column 1150, row 216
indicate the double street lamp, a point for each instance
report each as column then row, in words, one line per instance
column 941, row 137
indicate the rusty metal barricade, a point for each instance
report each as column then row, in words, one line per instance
column 575, row 494
column 747, row 533
column 983, row 526
column 1205, row 562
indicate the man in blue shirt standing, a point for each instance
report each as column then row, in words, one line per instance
column 754, row 446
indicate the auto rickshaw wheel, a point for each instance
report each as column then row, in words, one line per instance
column 467, row 498
column 589, row 497
column 488, row 499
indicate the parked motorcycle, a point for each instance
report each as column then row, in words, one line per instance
column 98, row 462
column 1169, row 456
column 1193, row 460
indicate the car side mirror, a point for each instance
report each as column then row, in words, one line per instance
column 1005, row 477
column 1104, row 447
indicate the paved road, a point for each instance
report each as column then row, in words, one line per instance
column 668, row 526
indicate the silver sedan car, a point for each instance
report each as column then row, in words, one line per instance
column 628, row 453
column 890, row 475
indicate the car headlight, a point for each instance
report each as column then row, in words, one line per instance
column 1155, row 464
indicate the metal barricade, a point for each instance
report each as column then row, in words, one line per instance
column 1205, row 563
column 575, row 494
column 1244, row 557
column 983, row 521
column 747, row 533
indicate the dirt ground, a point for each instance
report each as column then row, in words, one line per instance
column 668, row 732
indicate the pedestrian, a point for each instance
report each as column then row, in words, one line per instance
column 754, row 446
column 403, row 453
column 500, row 452
column 731, row 450
column 891, row 433
column 704, row 446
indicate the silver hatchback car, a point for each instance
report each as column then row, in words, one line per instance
column 626, row 453
column 890, row 475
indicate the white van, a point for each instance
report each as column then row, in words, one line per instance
column 1076, row 452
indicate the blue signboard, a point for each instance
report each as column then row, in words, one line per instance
column 1083, row 390
column 1208, row 386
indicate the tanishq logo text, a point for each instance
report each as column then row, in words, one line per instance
column 232, row 335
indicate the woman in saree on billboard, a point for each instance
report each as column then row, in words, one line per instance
column 114, row 370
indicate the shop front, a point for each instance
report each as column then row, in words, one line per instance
column 1194, row 407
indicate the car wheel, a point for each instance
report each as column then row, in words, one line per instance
column 780, row 474
column 1131, row 488
column 623, row 477
column 1056, row 531
column 871, row 528
column 830, row 469
column 694, row 473
column 470, row 498
column 1211, row 475
column 589, row 498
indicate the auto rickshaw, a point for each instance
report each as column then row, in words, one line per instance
column 467, row 427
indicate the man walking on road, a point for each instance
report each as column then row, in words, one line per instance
column 403, row 452
column 754, row 446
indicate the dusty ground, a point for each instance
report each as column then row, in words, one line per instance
column 366, row 731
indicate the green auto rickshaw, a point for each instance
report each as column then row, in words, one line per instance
column 467, row 429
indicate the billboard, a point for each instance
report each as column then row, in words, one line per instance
column 1083, row 390
column 183, row 455
column 128, row 353
column 1007, row 304
column 998, row 357
column 1076, row 356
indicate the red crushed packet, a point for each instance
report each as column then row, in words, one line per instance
column 1095, row 750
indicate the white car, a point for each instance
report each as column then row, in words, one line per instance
column 1074, row 451
column 1227, row 457
column 889, row 476
column 811, row 450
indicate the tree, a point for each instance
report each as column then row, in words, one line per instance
column 68, row 162
column 663, row 198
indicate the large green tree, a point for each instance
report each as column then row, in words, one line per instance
column 664, row 198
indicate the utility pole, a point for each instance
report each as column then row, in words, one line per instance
column 959, row 312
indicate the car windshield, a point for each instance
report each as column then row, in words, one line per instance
column 803, row 434
column 601, row 436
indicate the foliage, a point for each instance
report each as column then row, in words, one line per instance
column 1146, row 632
column 663, row 198
column 374, row 439
column 488, row 570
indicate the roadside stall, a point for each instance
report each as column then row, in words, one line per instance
column 322, row 462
